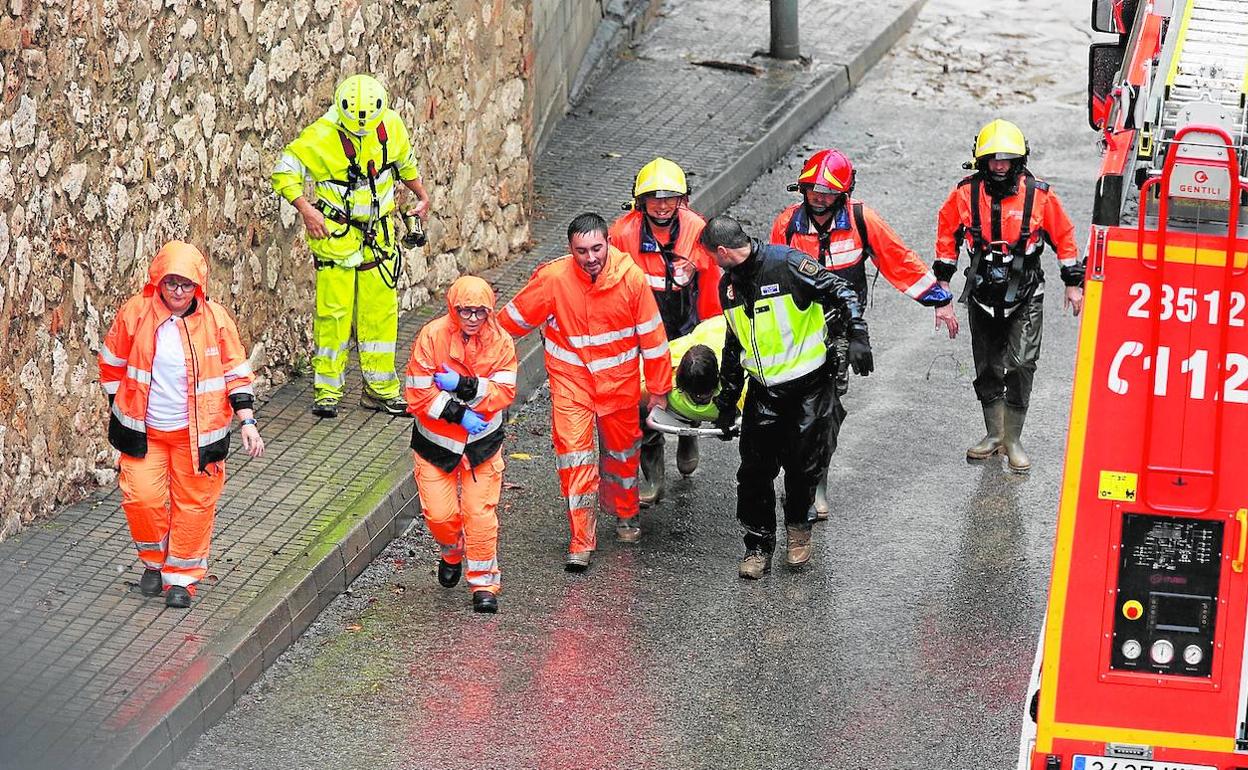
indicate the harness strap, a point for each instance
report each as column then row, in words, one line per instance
column 978, row 247
column 1018, row 266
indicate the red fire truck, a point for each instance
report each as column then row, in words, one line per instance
column 1141, row 664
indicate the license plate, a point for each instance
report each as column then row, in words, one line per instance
column 1085, row 762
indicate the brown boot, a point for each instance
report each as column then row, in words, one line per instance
column 1013, row 444
column 650, row 488
column 799, row 546
column 687, row 454
column 628, row 530
column 994, row 423
column 754, row 565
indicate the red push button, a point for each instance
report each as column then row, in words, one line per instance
column 1132, row 610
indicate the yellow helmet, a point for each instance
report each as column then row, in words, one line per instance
column 661, row 178
column 360, row 101
column 1000, row 140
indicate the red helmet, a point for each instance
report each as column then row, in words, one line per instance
column 827, row 171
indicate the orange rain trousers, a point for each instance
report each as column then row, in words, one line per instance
column 170, row 507
column 584, row 477
column 461, row 511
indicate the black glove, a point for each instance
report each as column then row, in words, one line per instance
column 726, row 421
column 860, row 359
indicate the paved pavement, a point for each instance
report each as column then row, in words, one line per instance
column 94, row 675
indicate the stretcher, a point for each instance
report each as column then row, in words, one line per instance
column 664, row 421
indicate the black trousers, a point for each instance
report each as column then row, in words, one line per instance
column 784, row 428
column 1006, row 351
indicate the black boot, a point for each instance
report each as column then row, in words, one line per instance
column 448, row 574
column 687, row 455
column 650, row 490
column 150, row 583
column 484, row 601
column 178, row 597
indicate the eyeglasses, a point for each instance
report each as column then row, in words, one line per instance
column 470, row 313
column 175, row 286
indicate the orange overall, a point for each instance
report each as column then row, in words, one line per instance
column 171, row 480
column 459, row 476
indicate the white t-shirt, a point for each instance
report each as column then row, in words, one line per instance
column 166, row 401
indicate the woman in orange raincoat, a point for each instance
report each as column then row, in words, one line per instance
column 460, row 378
column 175, row 373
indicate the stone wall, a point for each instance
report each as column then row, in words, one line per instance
column 562, row 32
column 125, row 123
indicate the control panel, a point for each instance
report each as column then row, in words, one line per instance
column 1168, row 581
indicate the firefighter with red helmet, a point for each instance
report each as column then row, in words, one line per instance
column 661, row 234
column 841, row 232
column 1003, row 216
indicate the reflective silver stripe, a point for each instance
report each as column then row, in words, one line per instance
column 484, row 580
column 331, row 353
column 371, row 376
column 209, row 385
column 174, row 561
column 213, row 436
column 619, row 481
column 483, row 388
column 481, row 566
column 129, row 422
column 923, row 284
column 845, row 258
column 139, row 375
column 419, row 382
column 519, row 319
column 322, row 379
column 288, row 163
column 597, row 365
column 562, row 354
column 449, row 444
column 159, row 546
column 624, row 456
column 376, row 347
column 507, row 377
column 242, row 370
column 152, row 564
column 590, row 340
column 655, row 352
column 494, row 424
column 656, row 282
column 582, row 501
column 651, row 325
column 574, row 460
column 178, row 579
column 109, row 358
column 111, row 387
column 243, row 390
column 438, row 403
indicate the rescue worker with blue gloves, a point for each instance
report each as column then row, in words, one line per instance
column 776, row 299
column 356, row 154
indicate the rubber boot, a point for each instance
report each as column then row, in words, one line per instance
column 687, row 454
column 650, row 490
column 1013, row 444
column 994, row 424
column 821, row 506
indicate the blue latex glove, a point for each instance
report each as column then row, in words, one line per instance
column 473, row 422
column 446, row 380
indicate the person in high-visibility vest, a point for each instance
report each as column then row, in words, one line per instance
column 1004, row 216
column 661, row 234
column 356, row 154
column 601, row 327
column 842, row 232
column 775, row 299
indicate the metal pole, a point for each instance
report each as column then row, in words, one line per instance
column 784, row 29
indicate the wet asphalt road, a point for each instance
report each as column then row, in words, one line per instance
column 906, row 644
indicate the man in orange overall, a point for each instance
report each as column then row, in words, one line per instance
column 841, row 232
column 175, row 373
column 460, row 378
column 599, row 318
column 661, row 235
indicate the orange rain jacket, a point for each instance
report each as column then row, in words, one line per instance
column 686, row 285
column 486, row 363
column 219, row 378
column 594, row 331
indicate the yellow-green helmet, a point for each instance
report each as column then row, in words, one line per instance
column 360, row 101
column 1000, row 140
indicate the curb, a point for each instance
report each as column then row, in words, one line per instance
column 284, row 609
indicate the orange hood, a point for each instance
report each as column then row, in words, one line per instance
column 177, row 258
column 471, row 291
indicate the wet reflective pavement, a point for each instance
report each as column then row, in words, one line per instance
column 905, row 644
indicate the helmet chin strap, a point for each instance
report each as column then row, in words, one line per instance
column 657, row 222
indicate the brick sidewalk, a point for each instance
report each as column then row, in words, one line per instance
column 92, row 674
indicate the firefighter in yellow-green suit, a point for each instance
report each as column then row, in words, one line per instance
column 356, row 154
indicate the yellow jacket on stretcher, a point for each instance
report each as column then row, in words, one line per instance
column 711, row 334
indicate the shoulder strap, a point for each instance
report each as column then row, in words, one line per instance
column 1024, row 233
column 790, row 229
column 383, row 138
column 860, row 222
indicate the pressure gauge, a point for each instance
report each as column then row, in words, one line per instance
column 1162, row 652
column 1131, row 649
column 1192, row 654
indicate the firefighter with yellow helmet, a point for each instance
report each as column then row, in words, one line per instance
column 1003, row 216
column 355, row 154
column 661, row 233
